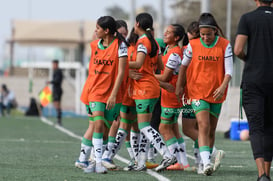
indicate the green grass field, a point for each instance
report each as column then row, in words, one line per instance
column 31, row 150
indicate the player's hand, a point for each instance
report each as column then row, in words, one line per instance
column 179, row 92
column 219, row 93
column 169, row 87
column 134, row 74
column 111, row 102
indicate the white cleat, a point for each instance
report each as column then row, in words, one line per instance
column 80, row 164
column 100, row 168
column 90, row 168
column 108, row 163
column 218, row 158
column 208, row 169
column 165, row 163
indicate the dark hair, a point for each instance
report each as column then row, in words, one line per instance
column 108, row 22
column 55, row 61
column 121, row 23
column 133, row 37
column 193, row 28
column 180, row 32
column 207, row 20
column 268, row 2
column 145, row 21
column 5, row 88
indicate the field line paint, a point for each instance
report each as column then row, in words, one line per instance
column 124, row 160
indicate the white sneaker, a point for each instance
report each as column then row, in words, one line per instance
column 100, row 168
column 80, row 164
column 218, row 158
column 165, row 163
column 90, row 168
column 208, row 169
column 108, row 163
column 140, row 168
column 131, row 165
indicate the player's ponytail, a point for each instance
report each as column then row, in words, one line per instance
column 145, row 21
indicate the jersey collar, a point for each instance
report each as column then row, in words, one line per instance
column 211, row 45
column 102, row 47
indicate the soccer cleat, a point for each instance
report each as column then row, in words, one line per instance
column 165, row 163
column 176, row 166
column 90, row 168
column 150, row 164
column 108, row 163
column 100, row 168
column 263, row 178
column 80, row 164
column 217, row 161
column 208, row 169
column 141, row 168
column 130, row 166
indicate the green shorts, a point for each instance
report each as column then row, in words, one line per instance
column 170, row 114
column 188, row 112
column 110, row 115
column 128, row 109
column 212, row 108
column 144, row 106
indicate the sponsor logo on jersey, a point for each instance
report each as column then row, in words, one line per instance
column 103, row 62
column 209, row 58
column 98, row 72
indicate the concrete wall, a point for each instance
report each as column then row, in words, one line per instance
column 20, row 86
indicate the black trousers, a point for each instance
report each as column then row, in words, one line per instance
column 258, row 106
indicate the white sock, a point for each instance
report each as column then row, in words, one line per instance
column 205, row 156
column 108, row 149
column 85, row 152
column 134, row 139
column 92, row 155
column 183, row 154
column 174, row 150
column 151, row 152
column 120, row 137
column 196, row 156
column 104, row 148
column 142, row 151
column 155, row 138
column 214, row 152
column 130, row 150
column 97, row 142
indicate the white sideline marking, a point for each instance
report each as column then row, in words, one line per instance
column 35, row 141
column 124, row 160
column 191, row 157
column 236, row 166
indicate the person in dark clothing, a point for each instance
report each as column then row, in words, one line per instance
column 57, row 89
column 256, row 31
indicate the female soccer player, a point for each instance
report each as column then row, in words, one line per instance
column 211, row 61
column 146, row 90
column 101, row 91
column 172, row 58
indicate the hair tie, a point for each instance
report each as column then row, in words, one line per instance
column 207, row 26
column 148, row 29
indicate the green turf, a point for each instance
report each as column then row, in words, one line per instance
column 32, row 150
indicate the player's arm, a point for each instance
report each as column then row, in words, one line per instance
column 140, row 57
column 240, row 43
column 228, row 65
